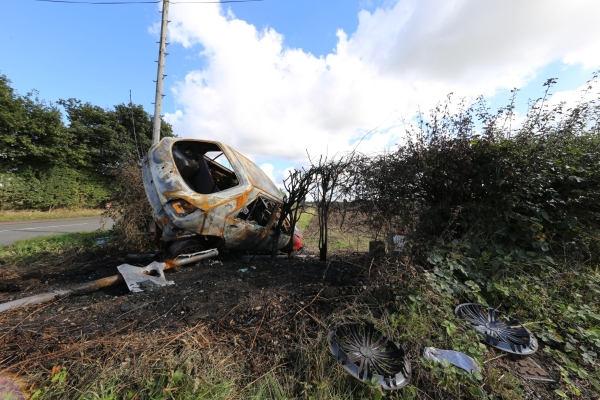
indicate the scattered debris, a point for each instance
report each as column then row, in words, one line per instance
column 531, row 370
column 47, row 297
column 135, row 276
column 504, row 333
column 242, row 270
column 397, row 241
column 365, row 354
column 456, row 358
column 104, row 282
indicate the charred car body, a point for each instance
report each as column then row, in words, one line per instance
column 207, row 195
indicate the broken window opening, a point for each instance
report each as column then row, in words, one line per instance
column 258, row 212
column 203, row 166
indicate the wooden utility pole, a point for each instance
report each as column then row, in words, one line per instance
column 160, row 75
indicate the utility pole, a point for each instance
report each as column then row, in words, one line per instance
column 160, row 75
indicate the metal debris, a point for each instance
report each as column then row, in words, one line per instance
column 456, row 358
column 366, row 354
column 205, row 194
column 136, row 277
column 99, row 283
column 531, row 370
column 504, row 333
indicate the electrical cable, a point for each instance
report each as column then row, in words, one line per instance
column 224, row 1
column 144, row 2
column 100, row 2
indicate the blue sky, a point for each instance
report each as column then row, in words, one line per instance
column 280, row 77
column 97, row 53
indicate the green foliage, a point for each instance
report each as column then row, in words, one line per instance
column 534, row 189
column 31, row 132
column 45, row 164
column 56, row 187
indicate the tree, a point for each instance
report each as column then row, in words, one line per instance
column 332, row 182
column 109, row 138
column 297, row 186
column 32, row 134
column 45, row 164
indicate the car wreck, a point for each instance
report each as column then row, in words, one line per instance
column 204, row 194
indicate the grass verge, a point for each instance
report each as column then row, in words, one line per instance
column 42, row 246
column 25, row 215
column 414, row 306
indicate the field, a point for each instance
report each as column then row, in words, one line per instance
column 57, row 213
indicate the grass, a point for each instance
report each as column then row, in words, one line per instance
column 559, row 302
column 55, row 214
column 48, row 246
column 305, row 219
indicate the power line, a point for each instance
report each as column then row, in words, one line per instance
column 224, row 1
column 144, row 2
column 100, row 2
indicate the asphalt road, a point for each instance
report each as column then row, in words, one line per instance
column 10, row 232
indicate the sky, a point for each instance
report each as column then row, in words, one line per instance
column 280, row 79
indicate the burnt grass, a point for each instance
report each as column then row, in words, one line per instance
column 213, row 292
column 258, row 305
column 266, row 309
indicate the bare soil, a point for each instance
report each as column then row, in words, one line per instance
column 261, row 305
column 230, row 292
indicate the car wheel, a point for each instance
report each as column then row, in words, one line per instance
column 185, row 246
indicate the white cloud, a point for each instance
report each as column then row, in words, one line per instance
column 268, row 100
column 268, row 170
column 571, row 98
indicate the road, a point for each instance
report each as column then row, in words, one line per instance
column 12, row 231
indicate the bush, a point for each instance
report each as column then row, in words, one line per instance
column 57, row 187
column 534, row 189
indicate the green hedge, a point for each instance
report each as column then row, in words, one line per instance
column 57, row 187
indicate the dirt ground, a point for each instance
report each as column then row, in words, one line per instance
column 228, row 291
column 260, row 304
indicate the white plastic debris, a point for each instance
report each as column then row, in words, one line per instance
column 243, row 270
column 456, row 358
column 138, row 278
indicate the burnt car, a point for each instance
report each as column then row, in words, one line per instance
column 204, row 194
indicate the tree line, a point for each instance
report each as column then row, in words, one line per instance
column 49, row 159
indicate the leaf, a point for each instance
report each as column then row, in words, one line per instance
column 593, row 332
column 545, row 215
column 474, row 287
column 561, row 393
column 477, row 392
column 450, row 327
column 571, row 221
column 594, row 383
column 593, row 315
column 435, row 258
column 177, row 376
